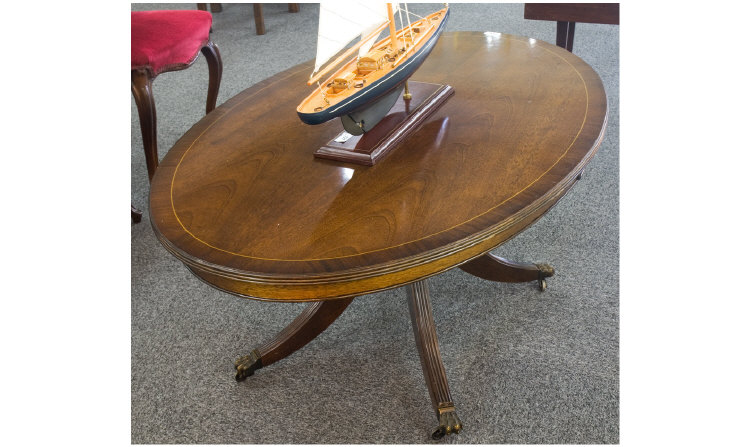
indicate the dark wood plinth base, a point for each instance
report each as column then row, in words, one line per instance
column 403, row 119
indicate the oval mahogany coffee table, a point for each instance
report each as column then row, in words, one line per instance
column 242, row 201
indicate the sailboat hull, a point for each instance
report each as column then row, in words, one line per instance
column 364, row 98
column 361, row 121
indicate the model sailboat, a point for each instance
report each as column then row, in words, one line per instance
column 365, row 87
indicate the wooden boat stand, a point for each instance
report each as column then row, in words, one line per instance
column 319, row 315
column 420, row 100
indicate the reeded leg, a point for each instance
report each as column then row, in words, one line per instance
column 495, row 268
column 140, row 84
column 213, row 57
column 432, row 365
column 309, row 324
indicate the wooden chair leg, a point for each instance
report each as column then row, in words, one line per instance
column 432, row 365
column 213, row 57
column 141, row 86
column 260, row 27
column 293, row 7
column 495, row 268
column 565, row 34
column 309, row 324
column 135, row 214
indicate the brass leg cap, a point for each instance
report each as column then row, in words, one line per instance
column 449, row 424
column 246, row 365
column 545, row 271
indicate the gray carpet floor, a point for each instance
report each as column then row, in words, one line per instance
column 524, row 367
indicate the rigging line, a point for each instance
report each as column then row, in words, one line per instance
column 407, row 13
column 377, row 11
column 411, row 32
column 323, row 93
column 350, row 19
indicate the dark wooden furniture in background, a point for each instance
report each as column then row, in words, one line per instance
column 215, row 7
column 243, row 203
column 148, row 61
column 260, row 26
column 567, row 14
column 135, row 214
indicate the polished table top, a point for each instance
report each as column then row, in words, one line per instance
column 241, row 200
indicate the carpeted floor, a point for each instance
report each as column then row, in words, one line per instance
column 524, row 367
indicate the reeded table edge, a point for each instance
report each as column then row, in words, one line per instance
column 310, row 281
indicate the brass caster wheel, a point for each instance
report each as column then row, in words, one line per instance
column 545, row 271
column 542, row 285
column 246, row 365
column 439, row 433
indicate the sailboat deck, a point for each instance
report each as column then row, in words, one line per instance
column 350, row 78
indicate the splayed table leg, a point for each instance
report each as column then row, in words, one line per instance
column 309, row 324
column 495, row 268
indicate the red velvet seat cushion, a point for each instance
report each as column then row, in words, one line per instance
column 161, row 40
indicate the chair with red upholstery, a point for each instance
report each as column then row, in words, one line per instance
column 162, row 41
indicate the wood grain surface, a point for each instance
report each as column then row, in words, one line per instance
column 242, row 201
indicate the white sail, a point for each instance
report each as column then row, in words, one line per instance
column 342, row 21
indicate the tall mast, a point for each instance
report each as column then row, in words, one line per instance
column 392, row 28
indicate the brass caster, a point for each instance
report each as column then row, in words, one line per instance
column 449, row 424
column 246, row 365
column 545, row 271
column 542, row 285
